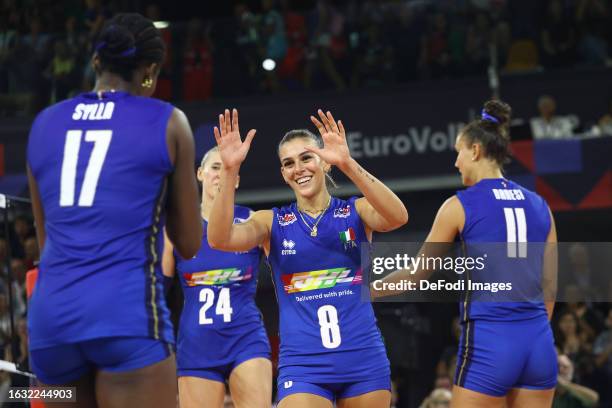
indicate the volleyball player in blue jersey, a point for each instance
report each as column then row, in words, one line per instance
column 331, row 349
column 107, row 169
column 506, row 354
column 221, row 335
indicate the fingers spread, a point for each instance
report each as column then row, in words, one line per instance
column 332, row 122
column 318, row 124
column 217, row 135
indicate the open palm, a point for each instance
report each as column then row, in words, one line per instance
column 232, row 149
column 335, row 150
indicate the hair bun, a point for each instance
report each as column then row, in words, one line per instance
column 116, row 42
column 499, row 110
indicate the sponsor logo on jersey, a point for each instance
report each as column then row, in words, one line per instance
column 286, row 219
column 288, row 384
column 217, row 276
column 288, row 246
column 323, row 279
column 342, row 212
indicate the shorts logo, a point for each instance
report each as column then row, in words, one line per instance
column 216, row 277
column 238, row 220
column 343, row 212
column 288, row 245
column 288, row 384
column 323, row 279
column 286, row 219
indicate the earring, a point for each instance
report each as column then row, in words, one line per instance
column 147, row 82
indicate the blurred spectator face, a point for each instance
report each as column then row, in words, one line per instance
column 22, row 227
column 439, row 398
column 267, row 5
column 91, row 4
column 568, row 324
column 3, row 304
column 547, row 106
column 573, row 294
column 609, row 319
column 152, row 12
column 19, row 270
column 443, row 382
column 566, row 368
column 35, row 26
column 440, row 22
column 70, row 24
column 3, row 251
column 579, row 257
column 456, row 329
column 30, row 248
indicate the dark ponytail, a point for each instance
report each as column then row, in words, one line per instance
column 128, row 41
column 492, row 131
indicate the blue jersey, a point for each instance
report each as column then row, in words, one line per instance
column 501, row 211
column 219, row 313
column 327, row 332
column 101, row 166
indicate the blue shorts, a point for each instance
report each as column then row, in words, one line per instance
column 495, row 357
column 333, row 391
column 222, row 372
column 65, row 363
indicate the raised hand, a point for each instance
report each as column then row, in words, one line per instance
column 335, row 150
column 232, row 149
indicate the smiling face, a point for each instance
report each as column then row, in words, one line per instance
column 302, row 170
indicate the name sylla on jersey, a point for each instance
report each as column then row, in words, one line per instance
column 93, row 111
column 441, row 284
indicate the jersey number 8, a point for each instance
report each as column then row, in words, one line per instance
column 330, row 331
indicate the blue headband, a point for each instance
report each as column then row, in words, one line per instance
column 489, row 118
column 127, row 53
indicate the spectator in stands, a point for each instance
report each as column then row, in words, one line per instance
column 557, row 36
column 582, row 275
column 197, row 62
column 435, row 56
column 439, row 398
column 605, row 123
column 550, row 126
column 61, row 71
column 568, row 334
column 569, row 394
column 602, row 349
column 330, row 47
column 31, row 252
column 593, row 17
column 477, row 46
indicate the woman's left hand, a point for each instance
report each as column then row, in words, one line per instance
column 335, row 150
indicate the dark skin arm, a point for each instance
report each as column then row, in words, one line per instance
column 183, row 224
column 37, row 210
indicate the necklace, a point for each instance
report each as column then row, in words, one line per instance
column 313, row 229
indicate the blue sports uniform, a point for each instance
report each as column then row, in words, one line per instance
column 330, row 344
column 506, row 344
column 101, row 163
column 220, row 325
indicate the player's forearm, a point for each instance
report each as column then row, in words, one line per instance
column 222, row 212
column 380, row 197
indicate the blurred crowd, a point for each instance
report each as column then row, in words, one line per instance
column 45, row 48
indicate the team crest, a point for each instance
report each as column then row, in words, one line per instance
column 342, row 212
column 286, row 219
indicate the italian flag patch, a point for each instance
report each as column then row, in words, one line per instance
column 348, row 235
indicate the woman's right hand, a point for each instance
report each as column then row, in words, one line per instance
column 232, row 149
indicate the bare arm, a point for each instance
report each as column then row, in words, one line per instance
column 448, row 223
column 168, row 262
column 37, row 210
column 586, row 395
column 549, row 283
column 222, row 232
column 183, row 224
column 380, row 209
